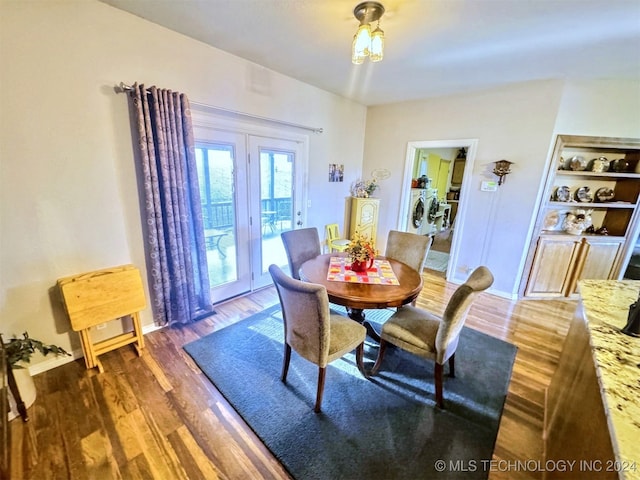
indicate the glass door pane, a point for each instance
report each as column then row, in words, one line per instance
column 274, row 178
column 276, row 181
column 222, row 179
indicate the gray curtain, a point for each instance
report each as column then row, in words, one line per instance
column 176, row 253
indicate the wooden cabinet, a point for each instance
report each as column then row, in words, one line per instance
column 562, row 260
column 363, row 217
column 458, row 171
column 576, row 427
column 575, row 185
column 5, row 439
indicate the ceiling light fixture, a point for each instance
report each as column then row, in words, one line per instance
column 368, row 43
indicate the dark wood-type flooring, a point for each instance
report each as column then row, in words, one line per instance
column 158, row 417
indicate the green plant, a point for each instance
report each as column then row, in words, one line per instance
column 21, row 349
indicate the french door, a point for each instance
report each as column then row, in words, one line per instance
column 250, row 187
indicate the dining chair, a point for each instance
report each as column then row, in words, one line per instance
column 334, row 241
column 430, row 336
column 408, row 248
column 300, row 245
column 312, row 330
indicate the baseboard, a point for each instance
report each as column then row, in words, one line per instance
column 57, row 361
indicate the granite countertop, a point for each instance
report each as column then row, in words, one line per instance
column 617, row 361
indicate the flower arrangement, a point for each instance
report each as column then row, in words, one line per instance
column 360, row 248
column 364, row 188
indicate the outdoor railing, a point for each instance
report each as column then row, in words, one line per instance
column 220, row 215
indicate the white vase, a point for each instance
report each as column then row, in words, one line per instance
column 27, row 389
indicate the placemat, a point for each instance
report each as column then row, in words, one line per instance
column 380, row 273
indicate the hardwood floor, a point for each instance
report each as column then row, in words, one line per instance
column 158, row 417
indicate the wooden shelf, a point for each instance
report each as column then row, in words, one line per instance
column 585, row 173
column 592, row 205
column 557, row 260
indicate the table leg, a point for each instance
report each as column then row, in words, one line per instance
column 358, row 315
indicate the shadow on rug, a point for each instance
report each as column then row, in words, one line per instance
column 384, row 428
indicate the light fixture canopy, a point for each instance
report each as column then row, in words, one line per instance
column 368, row 43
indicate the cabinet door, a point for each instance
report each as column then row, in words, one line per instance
column 552, row 266
column 458, row 171
column 599, row 259
column 364, row 217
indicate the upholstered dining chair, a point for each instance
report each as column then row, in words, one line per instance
column 334, row 241
column 430, row 336
column 301, row 245
column 408, row 248
column 312, row 330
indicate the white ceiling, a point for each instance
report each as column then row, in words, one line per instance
column 433, row 47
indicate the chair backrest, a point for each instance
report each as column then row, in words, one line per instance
column 456, row 312
column 332, row 231
column 408, row 248
column 301, row 245
column 305, row 310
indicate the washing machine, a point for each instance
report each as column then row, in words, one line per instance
column 416, row 211
column 431, row 206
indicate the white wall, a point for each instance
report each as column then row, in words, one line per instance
column 513, row 123
column 69, row 198
column 516, row 123
column 605, row 108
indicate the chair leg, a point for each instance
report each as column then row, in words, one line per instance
column 360, row 358
column 381, row 350
column 452, row 369
column 437, row 374
column 321, row 375
column 285, row 363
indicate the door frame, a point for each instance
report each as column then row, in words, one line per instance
column 211, row 118
column 471, row 144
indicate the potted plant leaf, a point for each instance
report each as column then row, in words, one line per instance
column 19, row 352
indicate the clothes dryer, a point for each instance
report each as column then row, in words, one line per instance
column 416, row 211
column 430, row 211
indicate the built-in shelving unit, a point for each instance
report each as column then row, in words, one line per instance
column 560, row 256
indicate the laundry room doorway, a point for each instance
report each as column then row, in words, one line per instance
column 436, row 175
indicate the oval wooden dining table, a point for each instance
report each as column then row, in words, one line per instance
column 357, row 297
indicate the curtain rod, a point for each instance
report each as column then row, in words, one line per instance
column 123, row 87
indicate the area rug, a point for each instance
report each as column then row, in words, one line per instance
column 437, row 261
column 384, row 428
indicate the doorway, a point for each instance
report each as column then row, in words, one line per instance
column 447, row 166
column 249, row 188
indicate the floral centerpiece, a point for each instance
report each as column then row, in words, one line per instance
column 364, row 188
column 361, row 253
